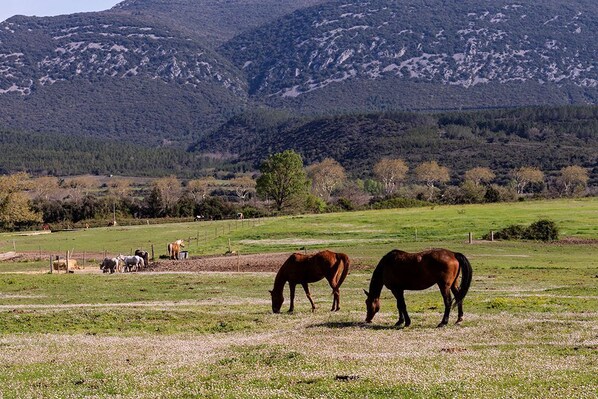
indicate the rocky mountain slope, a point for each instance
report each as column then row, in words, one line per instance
column 445, row 48
column 216, row 21
column 164, row 72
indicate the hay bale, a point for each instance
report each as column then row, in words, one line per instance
column 60, row 264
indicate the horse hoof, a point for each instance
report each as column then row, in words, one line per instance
column 459, row 320
column 442, row 324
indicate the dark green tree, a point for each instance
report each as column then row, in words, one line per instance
column 283, row 179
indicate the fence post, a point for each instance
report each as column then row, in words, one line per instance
column 67, row 261
column 153, row 252
column 51, row 265
column 492, row 236
column 470, row 238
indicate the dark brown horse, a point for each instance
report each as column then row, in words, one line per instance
column 304, row 269
column 400, row 271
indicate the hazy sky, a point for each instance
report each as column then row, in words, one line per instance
column 42, row 8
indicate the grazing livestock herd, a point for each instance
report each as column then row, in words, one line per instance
column 123, row 263
column 398, row 271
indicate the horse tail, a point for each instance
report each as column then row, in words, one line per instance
column 466, row 275
column 342, row 269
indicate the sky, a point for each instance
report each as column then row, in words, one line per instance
column 42, row 8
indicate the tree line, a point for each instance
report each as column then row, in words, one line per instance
column 284, row 185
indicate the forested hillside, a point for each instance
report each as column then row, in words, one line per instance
column 548, row 138
column 60, row 155
column 112, row 76
column 171, row 72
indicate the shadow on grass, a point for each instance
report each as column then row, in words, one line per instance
column 355, row 324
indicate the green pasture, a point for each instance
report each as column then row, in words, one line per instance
column 359, row 230
column 530, row 328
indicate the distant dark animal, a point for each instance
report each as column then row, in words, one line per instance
column 143, row 255
column 109, row 265
column 174, row 249
column 131, row 262
column 303, row 269
column 400, row 271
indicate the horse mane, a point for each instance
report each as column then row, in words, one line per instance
column 281, row 276
column 376, row 283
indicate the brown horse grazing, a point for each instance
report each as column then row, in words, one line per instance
column 304, row 269
column 174, row 249
column 400, row 271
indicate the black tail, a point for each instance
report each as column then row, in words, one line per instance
column 466, row 274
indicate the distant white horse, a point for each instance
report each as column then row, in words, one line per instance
column 132, row 261
column 109, row 265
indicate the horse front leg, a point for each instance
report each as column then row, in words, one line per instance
column 459, row 305
column 308, row 294
column 446, row 296
column 292, row 290
column 402, row 308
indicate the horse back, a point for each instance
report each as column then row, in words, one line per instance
column 418, row 271
column 300, row 268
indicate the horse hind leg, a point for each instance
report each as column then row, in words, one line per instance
column 459, row 305
column 336, row 301
column 446, row 296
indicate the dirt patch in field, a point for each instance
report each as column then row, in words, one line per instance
column 266, row 262
column 234, row 263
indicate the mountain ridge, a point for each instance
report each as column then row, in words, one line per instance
column 158, row 72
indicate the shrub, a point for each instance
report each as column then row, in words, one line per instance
column 513, row 232
column 399, row 203
column 543, row 230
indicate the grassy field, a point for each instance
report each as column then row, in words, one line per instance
column 530, row 328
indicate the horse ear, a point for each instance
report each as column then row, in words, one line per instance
column 366, row 293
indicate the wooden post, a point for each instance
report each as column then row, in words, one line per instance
column 51, row 266
column 14, row 245
column 67, row 261
column 153, row 252
column 238, row 263
column 492, row 236
column 415, row 234
column 470, row 238
column 84, row 253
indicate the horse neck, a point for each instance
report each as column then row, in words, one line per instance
column 279, row 281
column 376, row 283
